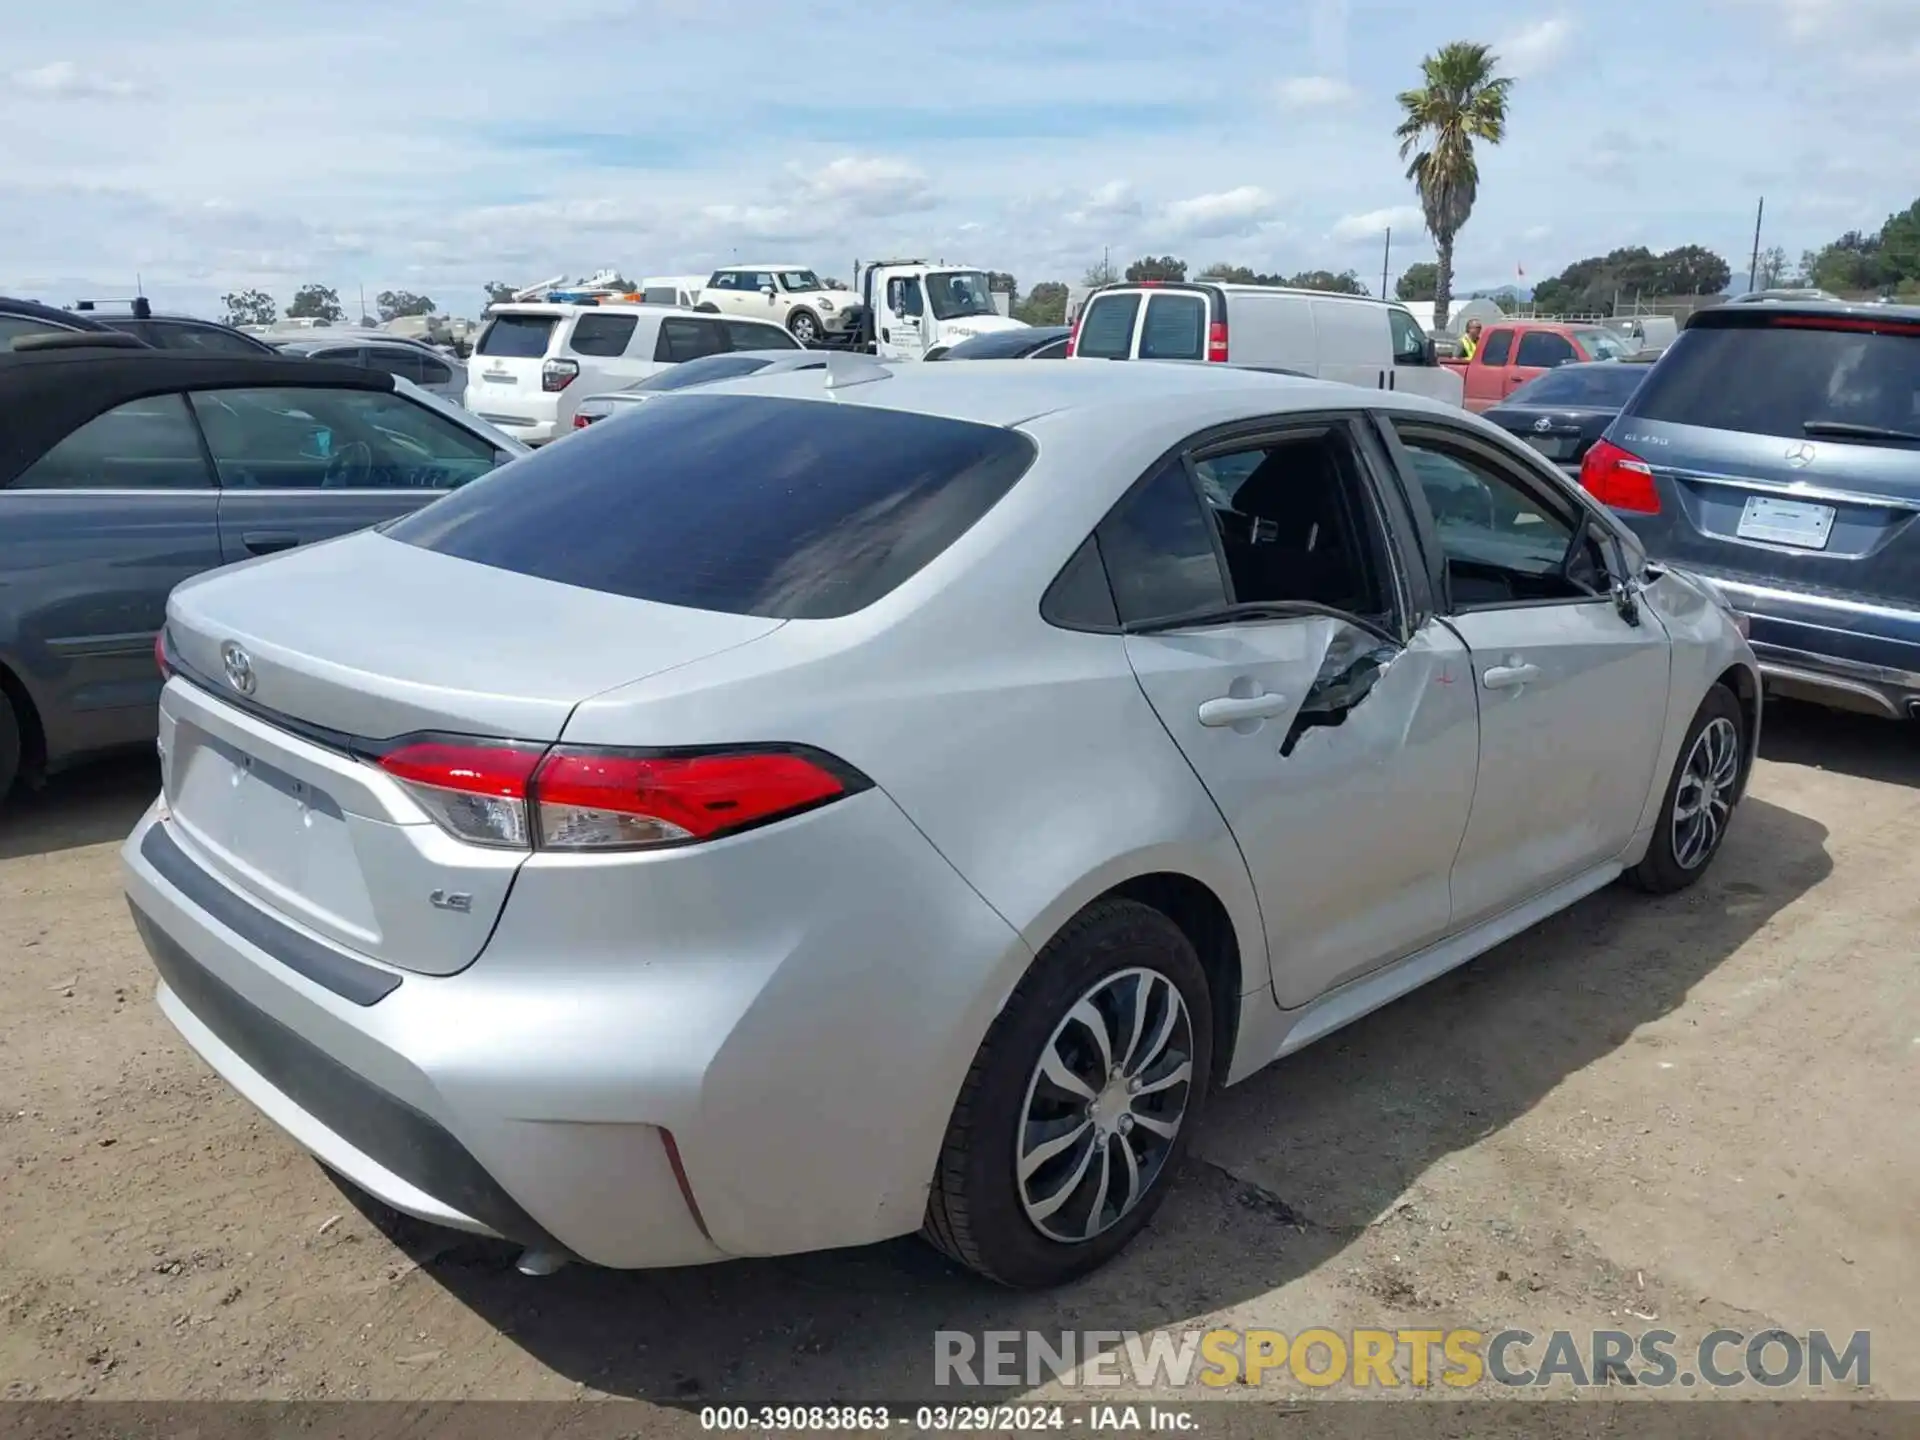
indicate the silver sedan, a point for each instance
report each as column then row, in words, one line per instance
column 856, row 801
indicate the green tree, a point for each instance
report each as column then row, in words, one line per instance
column 1000, row 280
column 499, row 292
column 1772, row 268
column 1852, row 262
column 1046, row 304
column 1693, row 270
column 1900, row 246
column 316, row 302
column 395, row 303
column 1419, row 281
column 1163, row 267
column 1463, row 101
column 1344, row 283
column 249, row 307
column 1101, row 274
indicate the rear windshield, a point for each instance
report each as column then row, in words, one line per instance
column 1106, row 331
column 699, row 372
column 1792, row 381
column 1606, row 386
column 1176, row 328
column 516, row 337
column 795, row 509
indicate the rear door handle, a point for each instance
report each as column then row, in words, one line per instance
column 1509, row 677
column 1232, row 709
column 266, row 542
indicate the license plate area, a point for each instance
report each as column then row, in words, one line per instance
column 1798, row 523
column 1554, row 447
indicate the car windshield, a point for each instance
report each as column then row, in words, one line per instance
column 1790, row 378
column 1605, row 345
column 699, row 372
column 956, row 294
column 1604, row 387
column 800, row 280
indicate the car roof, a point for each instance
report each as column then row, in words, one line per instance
column 1760, row 316
column 763, row 265
column 1012, row 392
column 328, row 339
column 34, row 310
column 46, row 394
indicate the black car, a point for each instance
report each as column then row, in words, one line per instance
column 1562, row 412
column 1775, row 451
column 125, row 469
column 30, row 317
column 1036, row 342
column 171, row 332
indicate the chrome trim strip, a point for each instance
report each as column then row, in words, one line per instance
column 1738, row 590
column 1793, row 490
column 1814, row 680
column 1835, row 666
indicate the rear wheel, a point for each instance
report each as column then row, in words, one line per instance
column 9, row 745
column 1700, row 797
column 1080, row 1103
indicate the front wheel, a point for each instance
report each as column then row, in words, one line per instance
column 1080, row 1103
column 804, row 327
column 1700, row 798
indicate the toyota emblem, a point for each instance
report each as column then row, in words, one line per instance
column 239, row 667
column 1543, row 424
column 1800, row 456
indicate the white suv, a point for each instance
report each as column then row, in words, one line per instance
column 788, row 295
column 536, row 359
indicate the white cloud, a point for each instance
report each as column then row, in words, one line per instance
column 64, row 80
column 866, row 185
column 1534, row 234
column 1534, row 49
column 1350, row 229
column 1239, row 211
column 1312, row 92
column 1115, row 200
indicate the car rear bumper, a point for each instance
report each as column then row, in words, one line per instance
column 1857, row 654
column 527, row 432
column 664, row 1076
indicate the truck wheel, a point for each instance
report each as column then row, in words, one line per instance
column 9, row 745
column 804, row 327
column 1078, row 1107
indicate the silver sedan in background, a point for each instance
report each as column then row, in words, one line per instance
column 829, row 807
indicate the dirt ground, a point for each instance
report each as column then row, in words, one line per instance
column 1697, row 1112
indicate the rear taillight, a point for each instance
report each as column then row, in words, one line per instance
column 160, row 661
column 580, row 422
column 522, row 797
column 556, row 375
column 1073, row 337
column 1619, row 479
column 1217, row 342
column 477, row 793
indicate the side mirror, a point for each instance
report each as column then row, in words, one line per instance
column 1429, row 352
column 768, row 291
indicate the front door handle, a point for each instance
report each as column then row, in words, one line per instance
column 1232, row 709
column 266, row 542
column 1509, row 677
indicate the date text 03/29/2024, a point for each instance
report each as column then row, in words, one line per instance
column 949, row 1419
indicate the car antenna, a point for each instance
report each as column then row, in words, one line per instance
column 844, row 369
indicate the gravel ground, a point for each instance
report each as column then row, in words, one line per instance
column 1693, row 1112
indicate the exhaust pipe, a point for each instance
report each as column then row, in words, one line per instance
column 539, row 1262
column 1913, row 708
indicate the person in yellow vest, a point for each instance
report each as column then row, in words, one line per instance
column 1470, row 342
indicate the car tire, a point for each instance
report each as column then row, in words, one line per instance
column 9, row 746
column 1002, row 1181
column 938, row 352
column 1700, row 797
column 706, row 307
column 804, row 326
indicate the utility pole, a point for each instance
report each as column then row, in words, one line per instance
column 1753, row 270
column 1385, row 261
column 363, row 300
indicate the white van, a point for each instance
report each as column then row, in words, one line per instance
column 1352, row 338
column 536, row 359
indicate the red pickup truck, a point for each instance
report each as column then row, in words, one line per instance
column 1513, row 353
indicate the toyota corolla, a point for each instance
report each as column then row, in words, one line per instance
column 825, row 807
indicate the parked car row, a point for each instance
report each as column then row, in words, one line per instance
column 811, row 809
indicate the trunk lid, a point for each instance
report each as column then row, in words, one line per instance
column 290, row 664
column 503, row 377
column 1562, row 434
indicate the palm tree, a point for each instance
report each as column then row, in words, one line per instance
column 1462, row 101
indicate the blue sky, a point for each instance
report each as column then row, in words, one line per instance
column 433, row 145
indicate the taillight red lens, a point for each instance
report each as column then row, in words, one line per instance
column 1073, row 336
column 580, row 422
column 477, row 793
column 556, row 375
column 1619, row 479
column 1217, row 342
column 600, row 801
column 160, row 660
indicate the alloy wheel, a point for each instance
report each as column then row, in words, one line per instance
column 1704, row 798
column 1104, row 1105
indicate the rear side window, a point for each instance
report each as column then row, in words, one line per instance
column 1176, row 328
column 1796, row 381
column 1499, row 345
column 682, row 340
column 1158, row 545
column 603, row 335
column 145, row 444
column 288, row 438
column 1544, row 348
column 12, row 326
column 396, row 361
column 745, row 335
column 1106, row 331
column 744, row 504
column 516, row 337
